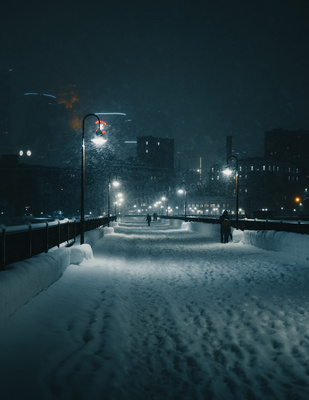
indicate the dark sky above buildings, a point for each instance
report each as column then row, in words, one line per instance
column 193, row 70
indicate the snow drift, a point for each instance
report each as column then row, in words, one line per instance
column 25, row 279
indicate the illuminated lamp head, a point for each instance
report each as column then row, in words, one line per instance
column 102, row 125
column 100, row 132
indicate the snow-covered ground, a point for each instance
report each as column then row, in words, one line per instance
column 162, row 312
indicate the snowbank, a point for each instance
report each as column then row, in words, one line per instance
column 25, row 279
column 294, row 244
column 209, row 230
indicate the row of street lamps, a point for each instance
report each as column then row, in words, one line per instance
column 100, row 139
column 227, row 172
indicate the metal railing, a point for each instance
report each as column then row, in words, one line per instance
column 24, row 241
column 253, row 224
column 21, row 242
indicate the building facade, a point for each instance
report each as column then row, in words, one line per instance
column 292, row 146
column 156, row 152
column 264, row 186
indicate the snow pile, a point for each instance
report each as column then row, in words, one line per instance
column 79, row 253
column 208, row 230
column 24, row 280
column 294, row 244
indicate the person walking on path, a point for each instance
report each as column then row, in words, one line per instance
column 148, row 219
column 226, row 230
column 225, row 215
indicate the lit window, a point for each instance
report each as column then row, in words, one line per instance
column 147, row 151
column 158, row 143
column 251, row 168
column 264, row 167
column 146, row 143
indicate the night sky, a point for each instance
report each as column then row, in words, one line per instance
column 196, row 71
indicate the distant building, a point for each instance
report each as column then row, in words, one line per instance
column 290, row 146
column 32, row 189
column 264, row 185
column 212, row 206
column 156, row 152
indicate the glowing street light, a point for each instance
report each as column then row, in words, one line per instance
column 165, row 199
column 228, row 172
column 119, row 201
column 110, row 184
column 183, row 191
column 82, row 208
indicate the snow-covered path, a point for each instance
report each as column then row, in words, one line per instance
column 163, row 313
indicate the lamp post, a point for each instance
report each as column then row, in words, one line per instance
column 82, row 207
column 115, row 184
column 165, row 199
column 236, row 178
column 183, row 191
column 118, row 202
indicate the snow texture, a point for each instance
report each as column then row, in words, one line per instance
column 159, row 312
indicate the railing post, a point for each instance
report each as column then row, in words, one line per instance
column 46, row 237
column 30, row 240
column 58, row 244
column 75, row 229
column 3, row 247
column 68, row 232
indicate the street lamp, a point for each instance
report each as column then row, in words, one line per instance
column 115, row 184
column 118, row 202
column 165, row 199
column 228, row 172
column 183, row 191
column 82, row 207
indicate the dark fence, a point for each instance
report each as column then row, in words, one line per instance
column 25, row 241
column 254, row 224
